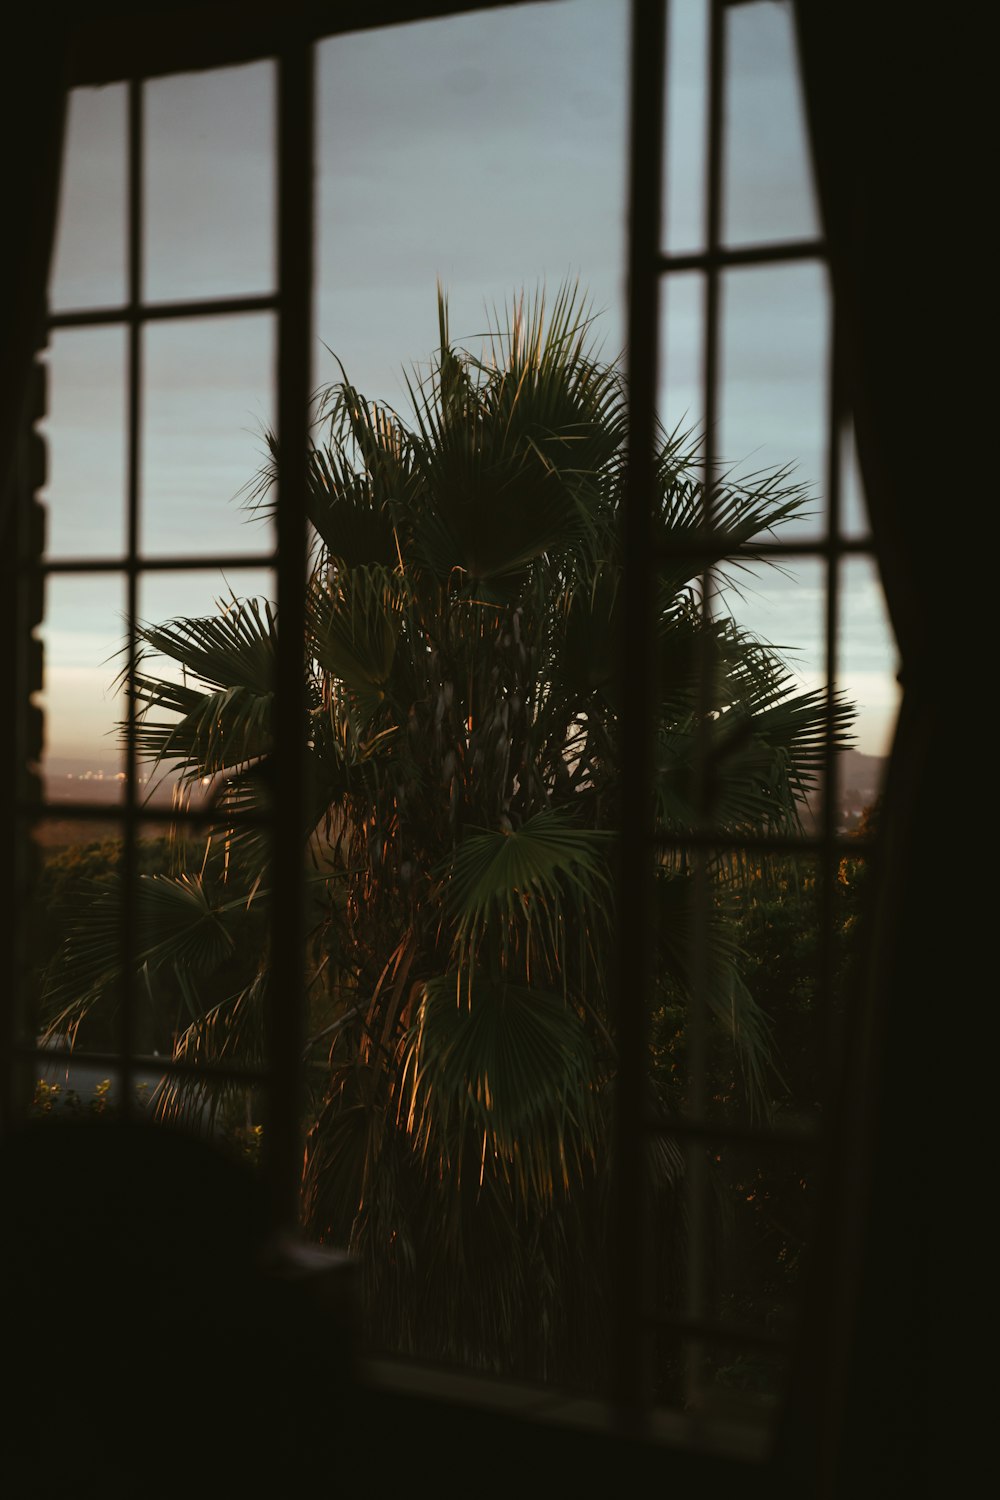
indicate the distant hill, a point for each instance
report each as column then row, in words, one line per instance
column 862, row 774
column 859, row 782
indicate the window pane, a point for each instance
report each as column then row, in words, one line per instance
column 201, row 633
column 86, row 439
column 783, row 607
column 201, row 933
column 867, row 668
column 686, row 125
column 773, row 400
column 75, row 1086
column 758, row 1059
column 207, row 405
column 853, row 504
column 210, row 196
column 68, row 854
column 84, row 635
column 486, row 151
column 682, row 381
column 89, row 258
column 768, row 181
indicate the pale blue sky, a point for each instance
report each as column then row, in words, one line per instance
column 488, row 152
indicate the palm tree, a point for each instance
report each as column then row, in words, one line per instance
column 461, row 664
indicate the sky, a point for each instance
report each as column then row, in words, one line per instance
column 486, row 152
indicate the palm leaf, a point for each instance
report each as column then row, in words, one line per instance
column 178, row 923
column 505, row 1071
column 730, row 1004
column 521, row 881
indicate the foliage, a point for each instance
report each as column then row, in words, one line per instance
column 51, row 1099
column 461, row 658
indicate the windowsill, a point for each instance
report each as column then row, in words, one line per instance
column 723, row 1436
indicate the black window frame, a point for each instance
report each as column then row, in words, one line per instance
column 155, row 52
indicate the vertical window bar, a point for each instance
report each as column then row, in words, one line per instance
column 632, row 1388
column 829, row 1038
column 286, row 993
column 696, row 1174
column 129, row 861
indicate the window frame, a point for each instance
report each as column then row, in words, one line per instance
column 291, row 43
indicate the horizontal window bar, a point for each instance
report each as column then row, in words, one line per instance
column 822, row 547
column 119, row 812
column 177, row 563
column 742, row 255
column 176, row 1068
column 717, row 1331
column 155, row 312
column 834, row 843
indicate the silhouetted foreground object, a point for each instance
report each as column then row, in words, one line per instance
column 156, row 1337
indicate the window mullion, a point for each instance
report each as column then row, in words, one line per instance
column 129, row 859
column 696, row 1174
column 286, row 991
column 632, row 1391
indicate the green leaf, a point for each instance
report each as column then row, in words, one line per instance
column 500, row 1070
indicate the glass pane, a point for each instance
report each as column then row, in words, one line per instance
column 89, row 260
column 853, row 503
column 210, row 193
column 86, row 439
column 759, row 1054
column 682, row 389
column 207, row 404
column 201, row 634
column 202, row 903
column 755, row 1245
column 753, row 669
column 773, row 401
column 84, row 635
column 781, row 604
column 77, row 1086
column 867, row 668
column 686, row 125
column 768, row 193
column 487, row 151
column 777, row 906
column 74, row 986
column 200, row 592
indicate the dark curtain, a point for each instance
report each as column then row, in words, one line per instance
column 879, row 145
column 32, row 119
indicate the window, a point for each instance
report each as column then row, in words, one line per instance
column 160, row 334
column 707, row 271
column 724, row 259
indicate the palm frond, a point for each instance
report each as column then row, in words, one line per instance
column 519, row 884
column 179, row 922
column 730, row 1004
column 506, row 1072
